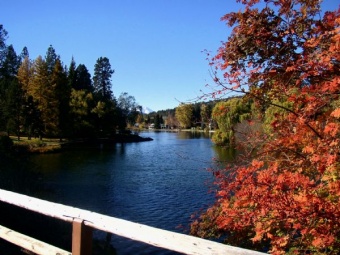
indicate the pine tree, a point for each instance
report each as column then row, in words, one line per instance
column 24, row 54
column 72, row 74
column 61, row 94
column 51, row 59
column 14, row 108
column 32, row 118
column 10, row 63
column 83, row 79
column 102, row 79
column 3, row 37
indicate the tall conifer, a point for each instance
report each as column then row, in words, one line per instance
column 102, row 78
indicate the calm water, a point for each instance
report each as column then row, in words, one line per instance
column 158, row 183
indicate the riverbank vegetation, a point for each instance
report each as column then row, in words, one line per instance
column 282, row 193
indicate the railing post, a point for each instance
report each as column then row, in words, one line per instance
column 81, row 238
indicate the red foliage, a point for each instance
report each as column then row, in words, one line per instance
column 287, row 195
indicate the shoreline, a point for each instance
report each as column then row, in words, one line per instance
column 52, row 145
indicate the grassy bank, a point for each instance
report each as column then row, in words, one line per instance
column 35, row 145
column 49, row 145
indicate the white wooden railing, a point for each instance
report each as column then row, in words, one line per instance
column 84, row 222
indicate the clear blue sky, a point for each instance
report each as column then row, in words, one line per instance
column 154, row 46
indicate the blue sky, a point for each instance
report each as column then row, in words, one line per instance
column 154, row 46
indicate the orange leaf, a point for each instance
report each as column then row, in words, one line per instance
column 331, row 129
column 317, row 242
column 336, row 113
column 308, row 149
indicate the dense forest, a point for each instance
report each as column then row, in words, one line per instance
column 45, row 98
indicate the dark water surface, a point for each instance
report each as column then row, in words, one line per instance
column 159, row 183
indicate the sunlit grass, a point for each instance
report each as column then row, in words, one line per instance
column 36, row 145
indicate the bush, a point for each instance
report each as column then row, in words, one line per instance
column 221, row 138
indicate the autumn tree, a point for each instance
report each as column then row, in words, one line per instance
column 171, row 120
column 284, row 193
column 184, row 115
column 31, row 114
column 25, row 72
column 43, row 93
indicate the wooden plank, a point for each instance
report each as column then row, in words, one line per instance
column 30, row 243
column 139, row 232
column 81, row 238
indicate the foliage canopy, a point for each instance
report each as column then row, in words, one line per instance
column 284, row 193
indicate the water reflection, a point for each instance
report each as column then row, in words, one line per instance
column 158, row 183
column 193, row 135
column 224, row 155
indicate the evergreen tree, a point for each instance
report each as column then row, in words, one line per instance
column 4, row 87
column 14, row 108
column 83, row 79
column 72, row 74
column 158, row 121
column 3, row 37
column 196, row 113
column 61, row 96
column 10, row 63
column 3, row 81
column 24, row 54
column 32, row 118
column 51, row 59
column 102, row 79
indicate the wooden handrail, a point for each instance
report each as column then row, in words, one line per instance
column 29, row 243
column 84, row 221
